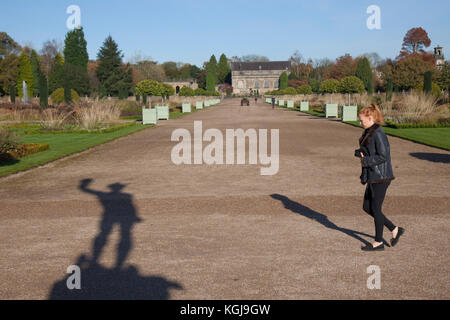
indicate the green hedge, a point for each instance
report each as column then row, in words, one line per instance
column 106, row 130
column 416, row 125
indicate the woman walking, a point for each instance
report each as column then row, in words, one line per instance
column 377, row 173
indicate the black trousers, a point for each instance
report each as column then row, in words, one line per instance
column 373, row 201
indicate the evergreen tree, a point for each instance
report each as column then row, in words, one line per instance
column 389, row 88
column 223, row 69
column 56, row 76
column 25, row 74
column 364, row 72
column 12, row 94
column 283, row 81
column 76, row 60
column 34, row 61
column 427, row 82
column 210, row 81
column 43, row 90
column 75, row 51
column 211, row 73
column 111, row 74
column 67, row 91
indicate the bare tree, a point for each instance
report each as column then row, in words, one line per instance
column 49, row 50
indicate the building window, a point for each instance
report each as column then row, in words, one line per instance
column 256, row 84
column 240, row 84
column 275, row 84
column 266, row 84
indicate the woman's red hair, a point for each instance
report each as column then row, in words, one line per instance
column 374, row 111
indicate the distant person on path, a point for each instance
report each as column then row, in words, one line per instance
column 273, row 102
column 256, row 100
column 377, row 173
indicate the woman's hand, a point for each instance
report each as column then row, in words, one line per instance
column 362, row 156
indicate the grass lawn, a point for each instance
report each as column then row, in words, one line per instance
column 62, row 145
column 435, row 137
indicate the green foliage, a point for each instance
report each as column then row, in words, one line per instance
column 186, row 92
column 329, row 86
column 435, row 90
column 168, row 90
column 75, row 51
column 112, row 75
column 389, row 88
column 57, row 96
column 56, row 76
column 34, row 61
column 304, row 89
column 210, row 81
column 427, row 82
column 223, row 70
column 43, row 90
column 283, row 81
column 315, row 85
column 351, row 84
column 9, row 70
column 149, row 88
column 67, row 93
column 364, row 72
column 25, row 74
column 12, row 94
column 199, row 92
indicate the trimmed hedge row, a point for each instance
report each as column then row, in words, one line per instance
column 416, row 125
column 106, row 130
column 24, row 150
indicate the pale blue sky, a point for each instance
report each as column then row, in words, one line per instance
column 192, row 30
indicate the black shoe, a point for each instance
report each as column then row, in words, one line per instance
column 370, row 247
column 399, row 233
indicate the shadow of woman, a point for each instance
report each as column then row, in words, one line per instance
column 319, row 217
column 98, row 282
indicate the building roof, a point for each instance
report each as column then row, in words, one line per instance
column 271, row 65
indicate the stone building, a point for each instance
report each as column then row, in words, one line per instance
column 439, row 57
column 250, row 77
column 177, row 85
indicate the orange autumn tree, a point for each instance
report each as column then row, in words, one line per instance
column 414, row 43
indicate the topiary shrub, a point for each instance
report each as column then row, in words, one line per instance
column 199, row 92
column 57, row 96
column 435, row 90
column 305, row 89
column 351, row 84
column 290, row 91
column 186, row 92
column 329, row 86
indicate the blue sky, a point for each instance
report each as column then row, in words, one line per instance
column 192, row 30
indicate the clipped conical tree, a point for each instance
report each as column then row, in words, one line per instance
column 283, row 81
column 35, row 68
column 25, row 74
column 427, row 82
column 364, row 72
column 223, row 69
column 56, row 76
column 43, row 90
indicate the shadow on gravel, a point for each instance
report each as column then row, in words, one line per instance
column 433, row 157
column 99, row 282
column 319, row 217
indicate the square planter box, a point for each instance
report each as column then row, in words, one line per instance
column 186, row 107
column 281, row 103
column 199, row 105
column 290, row 104
column 162, row 112
column 349, row 113
column 207, row 103
column 268, row 100
column 149, row 116
column 304, row 105
column 331, row 110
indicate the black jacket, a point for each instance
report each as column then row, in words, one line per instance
column 377, row 167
